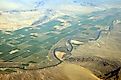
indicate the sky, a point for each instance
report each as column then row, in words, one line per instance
column 30, row 4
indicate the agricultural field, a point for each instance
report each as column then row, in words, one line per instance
column 62, row 40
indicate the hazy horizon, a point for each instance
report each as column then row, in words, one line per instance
column 31, row 4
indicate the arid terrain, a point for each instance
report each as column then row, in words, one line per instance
column 63, row 71
column 80, row 43
column 17, row 21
